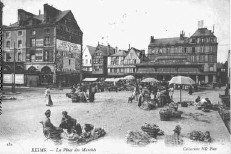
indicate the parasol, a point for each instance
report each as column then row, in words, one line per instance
column 182, row 80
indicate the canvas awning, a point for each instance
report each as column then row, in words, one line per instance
column 112, row 79
column 90, row 79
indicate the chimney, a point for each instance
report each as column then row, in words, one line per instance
column 182, row 34
column 152, row 39
column 39, row 12
column 213, row 29
column 129, row 47
column 116, row 49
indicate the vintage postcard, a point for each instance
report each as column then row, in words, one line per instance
column 115, row 77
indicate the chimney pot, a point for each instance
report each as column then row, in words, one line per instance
column 39, row 12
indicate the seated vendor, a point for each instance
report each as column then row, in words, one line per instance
column 197, row 99
column 52, row 130
column 69, row 123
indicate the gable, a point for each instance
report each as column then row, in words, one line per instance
column 132, row 55
column 69, row 19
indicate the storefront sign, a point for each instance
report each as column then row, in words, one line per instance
column 8, row 78
column 39, row 42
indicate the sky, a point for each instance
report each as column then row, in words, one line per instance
column 124, row 22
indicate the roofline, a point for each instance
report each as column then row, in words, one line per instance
column 154, row 64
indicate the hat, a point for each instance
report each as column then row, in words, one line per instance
column 48, row 112
column 64, row 112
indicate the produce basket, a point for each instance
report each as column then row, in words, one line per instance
column 177, row 114
column 152, row 130
column 165, row 115
column 184, row 104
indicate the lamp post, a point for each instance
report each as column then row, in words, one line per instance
column 13, row 83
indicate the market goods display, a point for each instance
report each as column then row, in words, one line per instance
column 173, row 105
column 184, row 104
column 138, row 138
column 200, row 136
column 98, row 132
column 152, row 129
column 165, row 114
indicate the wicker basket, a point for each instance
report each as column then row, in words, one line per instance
column 184, row 104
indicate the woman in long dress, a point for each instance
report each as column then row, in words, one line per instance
column 48, row 97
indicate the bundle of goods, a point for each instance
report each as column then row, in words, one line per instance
column 165, row 114
column 173, row 105
column 147, row 105
column 138, row 138
column 176, row 114
column 152, row 130
column 174, row 139
column 75, row 97
column 200, row 136
column 98, row 132
column 184, row 104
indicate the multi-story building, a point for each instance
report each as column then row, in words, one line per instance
column 49, row 44
column 133, row 57
column 88, row 53
column 195, row 56
column 99, row 64
column 115, row 64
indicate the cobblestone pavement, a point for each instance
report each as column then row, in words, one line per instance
column 20, row 120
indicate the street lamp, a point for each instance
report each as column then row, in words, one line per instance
column 13, row 83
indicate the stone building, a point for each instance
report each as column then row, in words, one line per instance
column 49, row 44
column 194, row 56
column 99, row 65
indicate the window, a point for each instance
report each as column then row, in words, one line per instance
column 46, row 56
column 86, row 61
column 32, row 42
column 33, row 32
column 69, row 62
column 19, row 43
column 193, row 49
column 39, row 55
column 8, row 44
column 19, row 33
column 90, row 61
column 19, row 56
column 47, row 40
column 194, row 40
column 7, row 34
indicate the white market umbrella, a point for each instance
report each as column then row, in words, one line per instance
column 182, row 80
column 150, row 80
column 129, row 77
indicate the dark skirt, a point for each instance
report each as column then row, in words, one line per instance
column 50, row 101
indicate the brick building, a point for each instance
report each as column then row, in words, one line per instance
column 195, row 56
column 50, row 47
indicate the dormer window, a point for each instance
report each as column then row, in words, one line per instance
column 194, row 40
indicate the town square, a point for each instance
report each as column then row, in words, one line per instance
column 115, row 77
